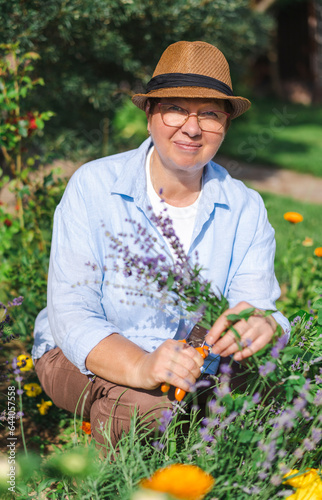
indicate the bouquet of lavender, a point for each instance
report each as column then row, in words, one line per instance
column 180, row 283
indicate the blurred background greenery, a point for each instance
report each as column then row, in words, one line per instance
column 94, row 54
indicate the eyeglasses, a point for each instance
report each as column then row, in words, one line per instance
column 209, row 121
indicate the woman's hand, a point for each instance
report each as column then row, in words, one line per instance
column 255, row 333
column 172, row 362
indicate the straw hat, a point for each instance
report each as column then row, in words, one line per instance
column 192, row 70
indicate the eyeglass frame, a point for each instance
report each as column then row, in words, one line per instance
column 188, row 116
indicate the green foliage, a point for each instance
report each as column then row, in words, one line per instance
column 24, row 252
column 298, row 270
column 17, row 122
column 251, row 437
column 92, row 56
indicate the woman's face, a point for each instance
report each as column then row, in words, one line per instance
column 186, row 148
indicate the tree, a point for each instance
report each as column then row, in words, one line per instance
column 95, row 52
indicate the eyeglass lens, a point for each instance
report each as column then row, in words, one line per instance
column 210, row 120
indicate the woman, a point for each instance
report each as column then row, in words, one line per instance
column 91, row 329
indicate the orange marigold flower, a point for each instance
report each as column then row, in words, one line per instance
column 307, row 242
column 293, row 217
column 318, row 252
column 182, row 481
column 308, row 485
column 86, row 427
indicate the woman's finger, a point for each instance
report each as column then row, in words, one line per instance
column 223, row 322
column 255, row 346
column 230, row 338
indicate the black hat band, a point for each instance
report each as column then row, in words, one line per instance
column 168, row 80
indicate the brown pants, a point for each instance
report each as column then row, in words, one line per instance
column 109, row 407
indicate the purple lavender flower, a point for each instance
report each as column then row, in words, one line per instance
column 308, row 444
column 157, row 445
column 17, row 301
column 296, row 320
column 276, row 480
column 165, row 420
column 269, row 367
column 298, row 453
column 226, row 368
column 316, row 435
column 204, row 433
column 256, row 398
column 318, row 398
column 299, row 403
column 275, row 352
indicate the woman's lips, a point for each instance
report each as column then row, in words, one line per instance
column 188, row 146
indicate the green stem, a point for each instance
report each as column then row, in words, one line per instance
column 21, row 423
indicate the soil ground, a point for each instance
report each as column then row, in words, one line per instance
column 303, row 187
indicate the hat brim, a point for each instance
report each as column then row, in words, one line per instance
column 239, row 104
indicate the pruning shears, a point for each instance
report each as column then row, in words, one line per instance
column 196, row 339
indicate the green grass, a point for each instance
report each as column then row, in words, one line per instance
column 278, row 133
column 284, row 231
column 297, row 269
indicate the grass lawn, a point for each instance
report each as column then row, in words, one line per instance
column 284, row 231
column 278, row 133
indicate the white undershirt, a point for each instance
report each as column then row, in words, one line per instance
column 183, row 217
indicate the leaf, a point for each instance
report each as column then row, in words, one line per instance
column 301, row 313
column 233, row 318
column 245, row 436
column 317, row 304
column 291, row 353
column 320, row 317
column 228, row 402
column 289, row 393
column 246, row 313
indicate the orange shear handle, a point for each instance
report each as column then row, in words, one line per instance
column 180, row 393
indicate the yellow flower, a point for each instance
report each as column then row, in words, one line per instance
column 318, row 252
column 182, row 481
column 32, row 389
column 44, row 406
column 308, row 485
column 24, row 363
column 308, row 242
column 293, row 217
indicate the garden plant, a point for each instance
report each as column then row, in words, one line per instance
column 262, row 441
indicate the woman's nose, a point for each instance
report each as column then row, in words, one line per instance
column 191, row 126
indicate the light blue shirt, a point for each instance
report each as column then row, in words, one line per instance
column 233, row 238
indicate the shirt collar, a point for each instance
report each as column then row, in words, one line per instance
column 132, row 180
